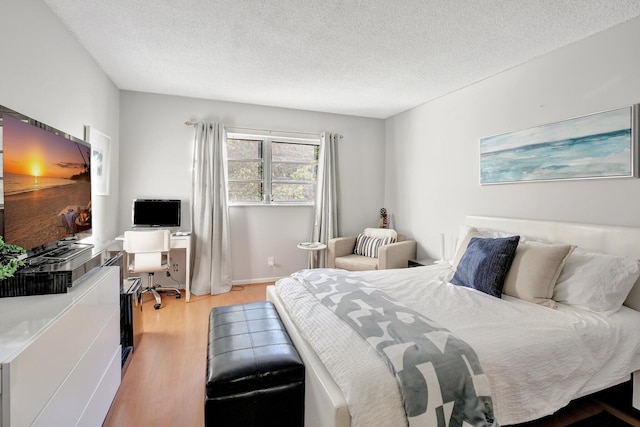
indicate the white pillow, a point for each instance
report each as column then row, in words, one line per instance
column 466, row 232
column 381, row 233
column 595, row 281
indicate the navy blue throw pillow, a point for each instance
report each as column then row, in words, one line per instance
column 485, row 264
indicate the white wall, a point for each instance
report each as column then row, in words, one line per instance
column 422, row 165
column 45, row 74
column 156, row 155
column 432, row 152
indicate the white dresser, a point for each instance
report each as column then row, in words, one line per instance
column 60, row 354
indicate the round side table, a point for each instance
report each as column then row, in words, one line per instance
column 313, row 248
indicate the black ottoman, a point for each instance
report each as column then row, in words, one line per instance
column 254, row 374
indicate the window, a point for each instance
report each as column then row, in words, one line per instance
column 271, row 170
column 245, row 169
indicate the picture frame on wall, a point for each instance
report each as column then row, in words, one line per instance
column 100, row 157
column 599, row 145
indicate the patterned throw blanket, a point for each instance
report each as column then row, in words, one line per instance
column 439, row 376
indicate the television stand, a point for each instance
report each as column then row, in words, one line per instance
column 60, row 358
column 44, row 274
column 66, row 252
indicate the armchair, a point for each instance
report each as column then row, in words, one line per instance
column 340, row 253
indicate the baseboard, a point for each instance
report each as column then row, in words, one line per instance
column 254, row 281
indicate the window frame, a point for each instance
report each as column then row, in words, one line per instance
column 267, row 139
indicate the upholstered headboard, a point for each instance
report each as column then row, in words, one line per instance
column 624, row 241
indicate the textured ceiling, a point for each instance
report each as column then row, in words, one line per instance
column 370, row 58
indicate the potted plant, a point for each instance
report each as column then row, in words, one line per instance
column 10, row 259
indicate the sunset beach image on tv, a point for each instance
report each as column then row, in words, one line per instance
column 47, row 184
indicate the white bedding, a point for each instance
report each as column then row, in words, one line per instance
column 537, row 359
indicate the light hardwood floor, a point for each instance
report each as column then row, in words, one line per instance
column 164, row 383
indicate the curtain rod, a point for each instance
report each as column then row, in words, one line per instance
column 190, row 123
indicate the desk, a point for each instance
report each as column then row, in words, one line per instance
column 184, row 242
column 180, row 242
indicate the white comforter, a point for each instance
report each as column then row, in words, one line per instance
column 537, row 359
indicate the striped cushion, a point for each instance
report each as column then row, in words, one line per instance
column 368, row 246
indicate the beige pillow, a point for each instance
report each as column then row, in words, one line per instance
column 463, row 242
column 535, row 270
column 466, row 233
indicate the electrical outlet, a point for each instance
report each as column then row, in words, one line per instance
column 271, row 261
column 175, row 267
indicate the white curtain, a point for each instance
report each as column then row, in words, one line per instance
column 209, row 212
column 325, row 224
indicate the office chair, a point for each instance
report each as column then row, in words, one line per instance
column 148, row 252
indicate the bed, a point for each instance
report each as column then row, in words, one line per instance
column 536, row 358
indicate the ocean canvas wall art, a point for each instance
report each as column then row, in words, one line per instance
column 600, row 145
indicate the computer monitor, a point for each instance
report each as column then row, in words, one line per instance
column 156, row 213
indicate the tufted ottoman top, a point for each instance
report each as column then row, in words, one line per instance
column 249, row 350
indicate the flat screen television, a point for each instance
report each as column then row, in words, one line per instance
column 46, row 183
column 156, row 213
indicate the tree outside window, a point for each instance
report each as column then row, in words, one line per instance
column 272, row 170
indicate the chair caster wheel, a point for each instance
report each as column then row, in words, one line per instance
column 156, row 306
column 178, row 296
